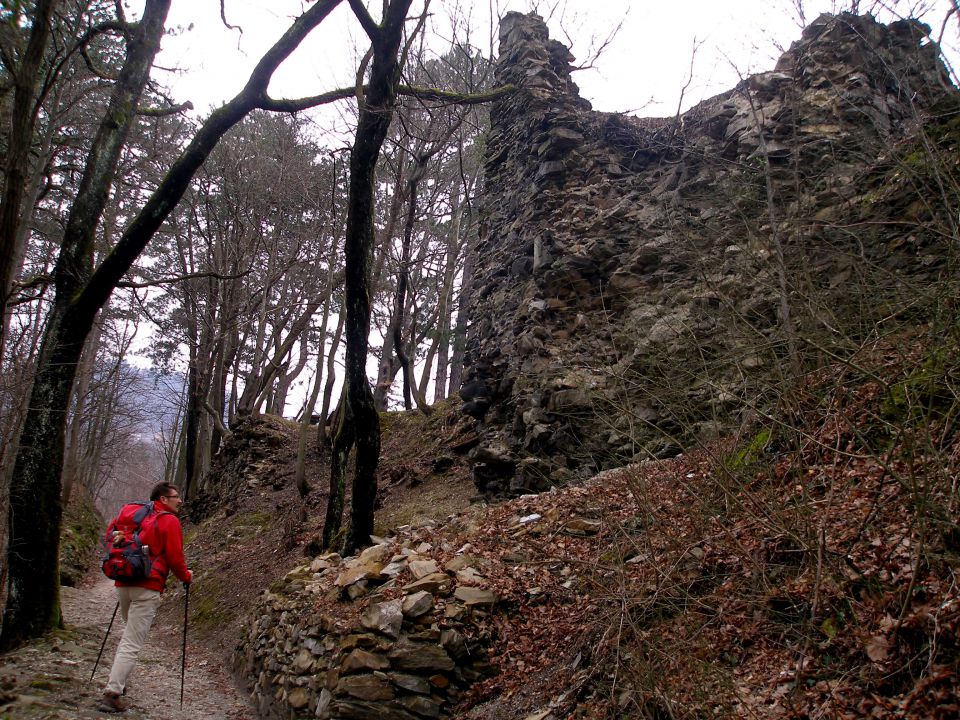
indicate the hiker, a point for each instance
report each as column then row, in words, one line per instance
column 139, row 601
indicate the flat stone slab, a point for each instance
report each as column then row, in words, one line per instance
column 417, row 604
column 386, row 617
column 475, row 597
column 422, row 568
column 363, row 571
column 366, row 687
column 361, row 660
column 420, row 658
column 434, row 583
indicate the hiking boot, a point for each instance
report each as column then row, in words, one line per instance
column 111, row 703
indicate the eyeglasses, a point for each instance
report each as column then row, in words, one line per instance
column 172, row 497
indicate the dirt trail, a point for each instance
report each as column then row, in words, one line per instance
column 50, row 679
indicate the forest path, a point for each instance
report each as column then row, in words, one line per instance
column 49, row 679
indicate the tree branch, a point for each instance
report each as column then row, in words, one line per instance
column 36, row 281
column 174, row 184
column 456, row 98
column 164, row 111
column 434, row 94
column 223, row 17
column 370, row 27
column 295, row 105
column 182, row 278
column 217, row 419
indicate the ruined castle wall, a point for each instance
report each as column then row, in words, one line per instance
column 627, row 298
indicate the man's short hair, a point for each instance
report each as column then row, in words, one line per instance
column 162, row 489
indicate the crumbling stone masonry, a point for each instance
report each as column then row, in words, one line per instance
column 632, row 274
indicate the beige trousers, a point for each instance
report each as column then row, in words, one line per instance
column 138, row 606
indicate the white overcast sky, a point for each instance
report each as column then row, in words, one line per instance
column 643, row 70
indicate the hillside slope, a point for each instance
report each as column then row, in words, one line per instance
column 803, row 570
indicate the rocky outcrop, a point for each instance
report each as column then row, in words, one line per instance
column 393, row 634
column 640, row 284
column 252, row 457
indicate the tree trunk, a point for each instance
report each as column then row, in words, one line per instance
column 300, row 471
column 359, row 421
column 300, row 475
column 403, row 278
column 23, row 119
column 331, row 380
column 26, row 105
column 341, row 442
column 388, row 367
column 446, row 297
column 33, row 603
column 71, row 463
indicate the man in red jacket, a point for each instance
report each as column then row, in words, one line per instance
column 139, row 600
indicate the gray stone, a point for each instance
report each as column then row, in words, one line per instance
column 568, row 401
column 417, row 604
column 358, row 710
column 422, row 706
column 385, row 617
column 550, row 168
column 420, row 657
column 475, row 597
column 361, row 661
column 421, row 568
column 410, row 683
column 324, row 561
column 455, row 644
column 582, row 526
column 564, row 138
column 359, row 572
column 298, row 698
column 469, row 576
column 376, row 554
column 437, row 583
column 393, row 569
column 323, row 704
column 303, row 662
column 356, row 590
column 459, row 563
column 365, row 687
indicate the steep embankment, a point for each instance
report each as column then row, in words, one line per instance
column 256, row 526
column 761, row 578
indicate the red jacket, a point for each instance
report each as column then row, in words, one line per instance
column 165, row 537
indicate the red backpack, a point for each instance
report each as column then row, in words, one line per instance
column 125, row 557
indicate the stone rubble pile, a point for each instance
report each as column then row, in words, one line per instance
column 390, row 634
column 631, row 275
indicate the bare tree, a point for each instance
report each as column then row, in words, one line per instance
column 26, row 78
column 357, row 420
column 32, row 605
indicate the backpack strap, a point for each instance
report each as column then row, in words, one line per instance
column 142, row 513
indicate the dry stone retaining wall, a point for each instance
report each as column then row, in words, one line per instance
column 388, row 634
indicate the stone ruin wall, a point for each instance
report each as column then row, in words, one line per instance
column 624, row 300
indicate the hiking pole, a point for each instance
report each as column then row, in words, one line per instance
column 104, row 643
column 183, row 656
